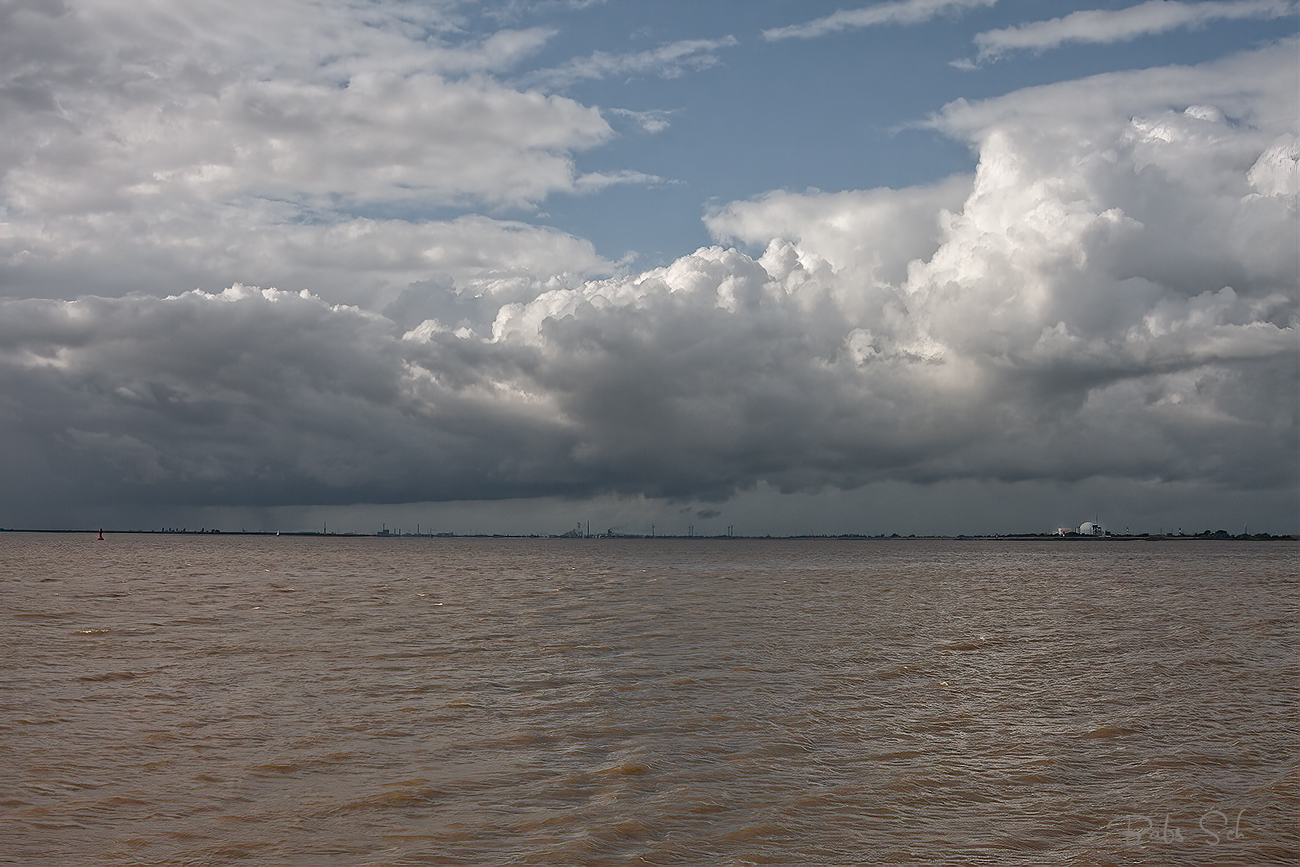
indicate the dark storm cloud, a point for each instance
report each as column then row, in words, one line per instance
column 691, row 382
column 249, row 397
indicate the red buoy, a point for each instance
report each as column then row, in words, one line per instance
column 101, row 535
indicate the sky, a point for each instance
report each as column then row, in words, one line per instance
column 914, row 266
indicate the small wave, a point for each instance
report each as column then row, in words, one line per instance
column 968, row 645
column 122, row 801
column 401, row 796
column 761, row 831
column 626, row 768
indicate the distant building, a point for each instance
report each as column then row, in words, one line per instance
column 1089, row 528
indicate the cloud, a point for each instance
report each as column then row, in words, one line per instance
column 1110, row 295
column 874, row 234
column 356, row 261
column 896, row 12
column 108, row 137
column 652, row 121
column 1121, row 25
column 151, row 147
column 600, row 180
column 670, row 60
column 497, row 52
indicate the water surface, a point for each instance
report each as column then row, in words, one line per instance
column 320, row 701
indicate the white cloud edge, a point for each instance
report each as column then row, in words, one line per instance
column 1107, row 26
column 669, row 60
column 894, row 12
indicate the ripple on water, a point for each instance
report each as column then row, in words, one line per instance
column 362, row 701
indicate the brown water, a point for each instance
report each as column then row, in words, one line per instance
column 312, row 701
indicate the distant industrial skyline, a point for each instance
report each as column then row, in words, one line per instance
column 930, row 267
column 1203, row 535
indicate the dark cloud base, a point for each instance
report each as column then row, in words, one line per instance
column 266, row 399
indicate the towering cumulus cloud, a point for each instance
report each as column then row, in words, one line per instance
column 1113, row 293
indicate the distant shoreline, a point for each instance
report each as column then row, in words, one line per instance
column 1205, row 536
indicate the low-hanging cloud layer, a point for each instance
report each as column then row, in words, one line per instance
column 1112, row 293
